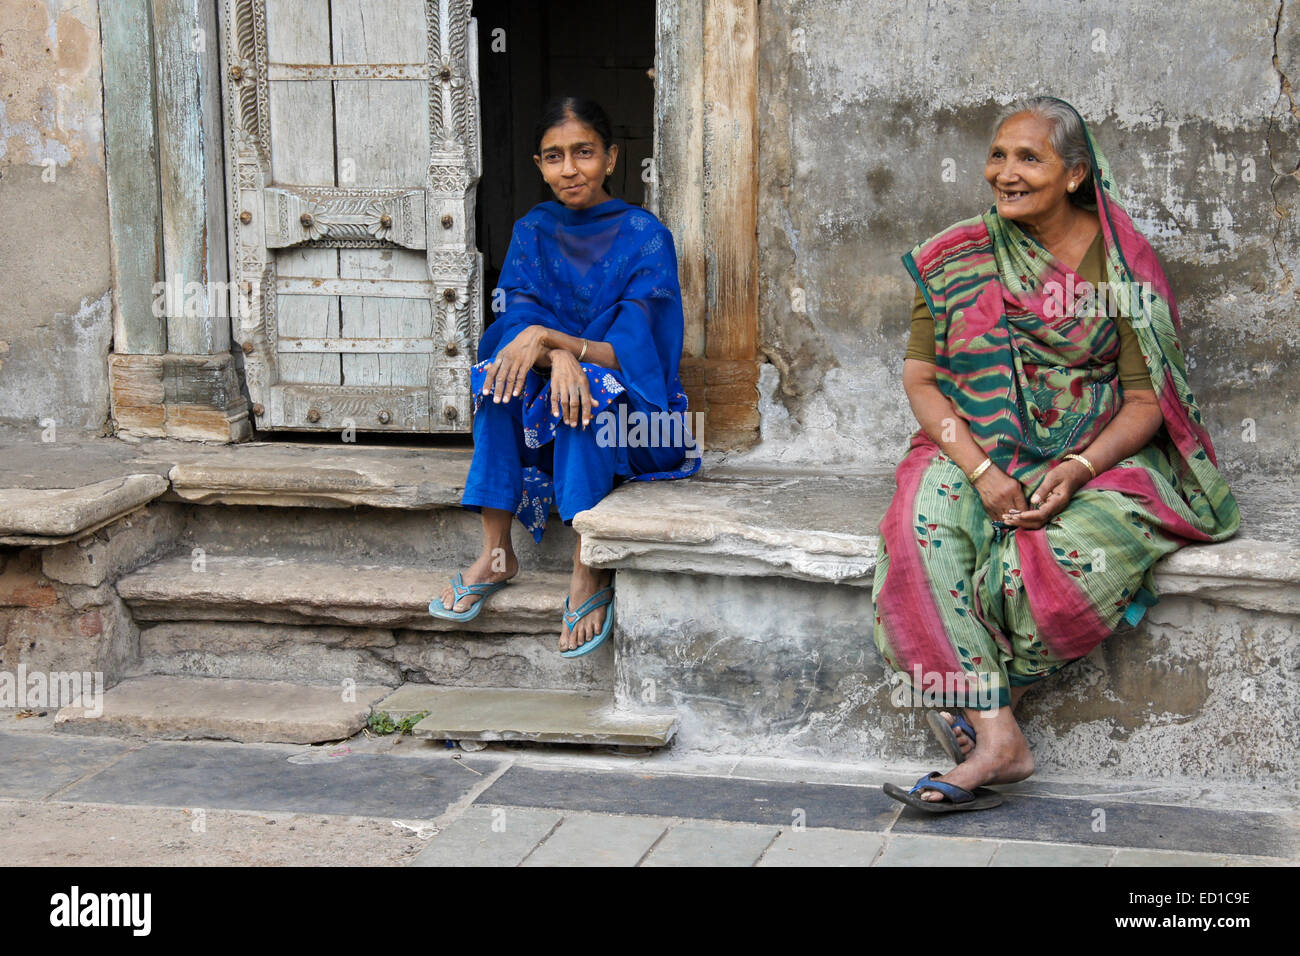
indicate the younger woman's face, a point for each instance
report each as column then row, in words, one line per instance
column 575, row 163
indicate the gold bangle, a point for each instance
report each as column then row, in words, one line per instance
column 1086, row 463
column 979, row 470
column 584, row 350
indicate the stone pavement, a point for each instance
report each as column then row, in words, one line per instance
column 68, row 799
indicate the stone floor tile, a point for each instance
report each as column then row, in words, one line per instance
column 697, row 843
column 813, row 847
column 489, row 836
column 591, row 839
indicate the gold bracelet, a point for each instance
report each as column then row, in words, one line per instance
column 584, row 350
column 1086, row 463
column 979, row 470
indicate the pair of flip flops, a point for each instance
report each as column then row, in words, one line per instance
column 602, row 598
column 954, row 797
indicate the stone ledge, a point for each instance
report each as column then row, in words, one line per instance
column 47, row 516
column 539, row 716
column 58, row 491
column 277, row 590
column 249, row 711
column 820, row 528
column 417, row 478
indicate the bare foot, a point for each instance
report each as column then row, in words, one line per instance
column 582, row 585
column 494, row 564
column 1003, row 754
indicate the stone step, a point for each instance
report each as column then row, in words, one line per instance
column 539, row 716
column 288, row 590
column 249, row 711
column 439, row 536
column 323, row 653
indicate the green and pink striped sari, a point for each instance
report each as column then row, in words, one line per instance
column 1029, row 360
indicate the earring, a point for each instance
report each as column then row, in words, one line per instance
column 1071, row 187
column 610, row 171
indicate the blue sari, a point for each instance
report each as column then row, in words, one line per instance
column 606, row 274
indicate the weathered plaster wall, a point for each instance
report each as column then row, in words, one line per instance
column 864, row 103
column 55, row 280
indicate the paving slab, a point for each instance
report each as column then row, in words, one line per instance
column 1148, row 826
column 38, row 765
column 540, row 716
column 589, row 839
column 1166, row 858
column 810, row 847
column 935, row 851
column 696, row 843
column 1046, row 854
column 69, row 834
column 44, row 516
column 186, row 708
column 695, row 797
column 250, row 777
column 489, row 836
column 291, row 590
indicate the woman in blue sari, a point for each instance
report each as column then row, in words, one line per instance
column 588, row 343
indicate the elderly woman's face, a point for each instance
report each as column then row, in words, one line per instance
column 1029, row 179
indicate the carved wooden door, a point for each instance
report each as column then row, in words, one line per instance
column 352, row 150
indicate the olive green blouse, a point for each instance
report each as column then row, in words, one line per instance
column 1132, row 366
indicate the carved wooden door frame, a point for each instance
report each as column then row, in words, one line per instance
column 437, row 217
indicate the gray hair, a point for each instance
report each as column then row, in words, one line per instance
column 1067, row 138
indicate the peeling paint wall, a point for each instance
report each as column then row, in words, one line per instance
column 865, row 103
column 55, row 277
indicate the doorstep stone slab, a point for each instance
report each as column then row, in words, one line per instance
column 263, row 778
column 695, row 797
column 489, row 836
column 821, row 847
column 288, row 590
column 589, row 839
column 46, row 516
column 696, row 843
column 1133, row 825
column 185, row 708
column 325, row 476
column 540, row 716
column 34, row 766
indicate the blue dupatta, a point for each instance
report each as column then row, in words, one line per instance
column 608, row 274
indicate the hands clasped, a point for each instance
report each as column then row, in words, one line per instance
column 1004, row 500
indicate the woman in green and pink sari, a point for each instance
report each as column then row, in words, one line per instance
column 1061, row 452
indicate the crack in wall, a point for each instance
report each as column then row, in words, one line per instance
column 1286, row 91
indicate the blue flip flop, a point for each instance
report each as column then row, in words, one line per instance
column 573, row 617
column 947, row 739
column 460, row 589
column 954, row 797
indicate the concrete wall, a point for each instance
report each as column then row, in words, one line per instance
column 863, row 102
column 55, row 278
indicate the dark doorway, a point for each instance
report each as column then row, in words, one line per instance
column 529, row 52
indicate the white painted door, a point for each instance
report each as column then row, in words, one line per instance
column 352, row 148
